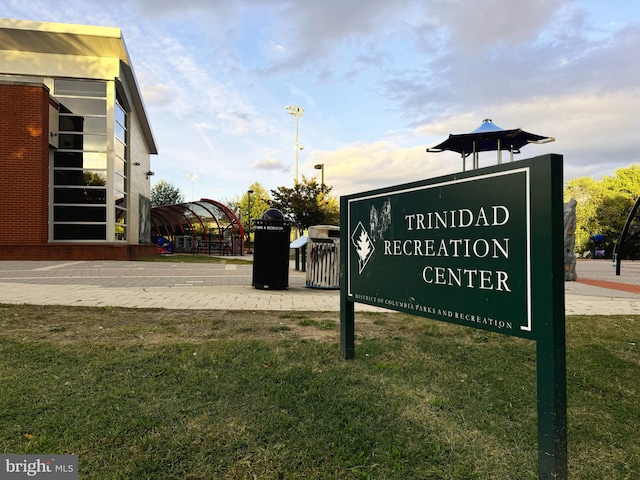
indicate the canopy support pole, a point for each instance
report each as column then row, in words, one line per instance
column 475, row 156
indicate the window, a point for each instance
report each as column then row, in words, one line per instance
column 80, row 88
column 121, row 165
column 80, row 163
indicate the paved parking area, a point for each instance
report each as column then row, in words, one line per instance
column 172, row 285
column 178, row 285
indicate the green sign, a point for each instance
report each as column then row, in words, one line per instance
column 453, row 249
column 482, row 249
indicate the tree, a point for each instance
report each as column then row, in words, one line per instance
column 307, row 203
column 625, row 181
column 603, row 206
column 260, row 201
column 251, row 205
column 165, row 193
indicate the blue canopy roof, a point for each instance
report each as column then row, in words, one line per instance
column 488, row 126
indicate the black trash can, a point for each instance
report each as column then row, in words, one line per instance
column 271, row 251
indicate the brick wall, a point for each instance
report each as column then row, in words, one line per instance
column 24, row 163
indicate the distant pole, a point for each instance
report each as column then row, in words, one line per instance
column 192, row 177
column 297, row 112
column 320, row 166
column 249, row 192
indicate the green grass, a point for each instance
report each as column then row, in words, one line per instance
column 156, row 394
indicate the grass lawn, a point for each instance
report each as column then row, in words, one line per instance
column 159, row 394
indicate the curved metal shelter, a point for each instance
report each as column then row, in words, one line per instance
column 205, row 227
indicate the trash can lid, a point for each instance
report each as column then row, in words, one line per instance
column 273, row 214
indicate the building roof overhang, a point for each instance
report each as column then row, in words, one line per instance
column 82, row 40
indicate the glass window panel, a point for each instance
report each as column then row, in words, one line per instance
column 95, row 125
column 120, row 200
column 87, row 195
column 71, row 141
column 119, row 183
column 96, row 143
column 68, row 177
column 96, row 178
column 68, row 159
column 82, row 88
column 71, row 123
column 120, row 232
column 119, row 166
column 83, row 106
column 120, row 132
column 79, row 214
column 91, row 160
column 120, row 227
column 120, row 115
column 119, row 148
column 75, row 141
column 74, row 123
column 121, row 216
column 79, row 232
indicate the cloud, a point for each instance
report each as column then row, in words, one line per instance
column 476, row 26
column 204, row 126
column 276, row 46
column 212, row 90
column 158, row 94
column 269, row 164
column 362, row 167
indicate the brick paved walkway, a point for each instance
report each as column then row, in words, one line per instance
column 179, row 285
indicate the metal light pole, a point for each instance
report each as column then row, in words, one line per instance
column 249, row 192
column 320, row 166
column 297, row 112
column 192, row 177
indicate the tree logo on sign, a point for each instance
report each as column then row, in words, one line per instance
column 364, row 246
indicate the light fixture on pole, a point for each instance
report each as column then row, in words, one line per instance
column 192, row 177
column 249, row 192
column 320, row 166
column 297, row 112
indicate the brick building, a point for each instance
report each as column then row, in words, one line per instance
column 75, row 145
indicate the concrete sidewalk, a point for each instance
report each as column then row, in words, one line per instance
column 179, row 285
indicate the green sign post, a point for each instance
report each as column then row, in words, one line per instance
column 482, row 249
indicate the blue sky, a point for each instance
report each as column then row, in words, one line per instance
column 379, row 81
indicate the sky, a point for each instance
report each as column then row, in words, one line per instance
column 380, row 81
